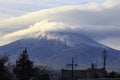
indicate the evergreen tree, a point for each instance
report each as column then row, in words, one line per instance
column 5, row 74
column 23, row 68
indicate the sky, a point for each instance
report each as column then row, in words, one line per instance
column 98, row 19
column 19, row 7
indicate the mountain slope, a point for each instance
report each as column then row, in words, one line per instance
column 57, row 49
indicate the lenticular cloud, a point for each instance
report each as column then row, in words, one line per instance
column 43, row 27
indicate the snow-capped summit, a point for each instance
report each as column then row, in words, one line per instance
column 68, row 38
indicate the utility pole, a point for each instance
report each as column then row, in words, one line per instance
column 72, row 68
column 72, row 65
column 104, row 59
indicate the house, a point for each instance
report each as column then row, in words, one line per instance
column 88, row 73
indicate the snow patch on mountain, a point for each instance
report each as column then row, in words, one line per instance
column 71, row 39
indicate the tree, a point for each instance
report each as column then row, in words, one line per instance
column 23, row 68
column 5, row 73
column 114, row 75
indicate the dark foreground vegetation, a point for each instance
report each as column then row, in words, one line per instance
column 25, row 69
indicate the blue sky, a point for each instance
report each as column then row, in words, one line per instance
column 98, row 19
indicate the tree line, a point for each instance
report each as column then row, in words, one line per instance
column 23, row 69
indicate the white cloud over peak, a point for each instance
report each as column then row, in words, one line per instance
column 42, row 27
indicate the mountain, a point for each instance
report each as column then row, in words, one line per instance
column 56, row 49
